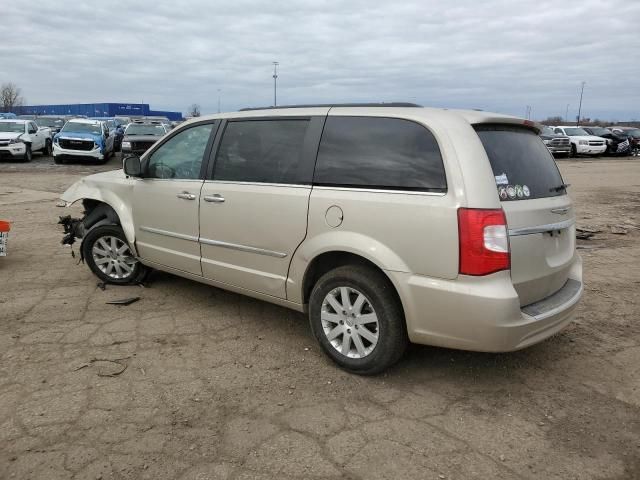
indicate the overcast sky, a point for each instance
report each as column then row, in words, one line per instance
column 492, row 55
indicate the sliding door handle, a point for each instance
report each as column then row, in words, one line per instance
column 215, row 198
column 186, row 196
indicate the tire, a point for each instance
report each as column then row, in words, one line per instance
column 47, row 150
column 370, row 294
column 574, row 152
column 119, row 268
column 28, row 154
column 58, row 160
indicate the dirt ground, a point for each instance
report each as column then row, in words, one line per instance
column 220, row 386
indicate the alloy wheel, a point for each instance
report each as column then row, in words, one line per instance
column 349, row 322
column 113, row 257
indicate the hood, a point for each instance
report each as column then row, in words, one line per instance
column 142, row 138
column 80, row 136
column 587, row 137
column 9, row 135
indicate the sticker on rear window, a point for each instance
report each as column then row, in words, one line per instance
column 519, row 191
column 502, row 179
column 511, row 191
column 502, row 193
column 526, row 191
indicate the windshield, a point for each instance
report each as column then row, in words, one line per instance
column 11, row 127
column 633, row 133
column 50, row 122
column 137, row 129
column 76, row 127
column 523, row 167
column 599, row 131
column 575, row 131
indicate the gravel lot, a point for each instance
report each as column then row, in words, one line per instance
column 222, row 386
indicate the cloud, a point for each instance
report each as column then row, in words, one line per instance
column 494, row 55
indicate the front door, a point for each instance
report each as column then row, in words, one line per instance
column 253, row 212
column 167, row 198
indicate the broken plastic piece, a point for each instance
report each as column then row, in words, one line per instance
column 124, row 301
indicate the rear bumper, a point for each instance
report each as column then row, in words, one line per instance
column 483, row 313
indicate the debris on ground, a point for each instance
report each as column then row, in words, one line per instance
column 589, row 247
column 583, row 235
column 108, row 371
column 588, row 229
column 124, row 301
column 102, row 286
column 619, row 230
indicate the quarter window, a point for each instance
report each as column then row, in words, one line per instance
column 373, row 152
column 264, row 151
column 181, row 156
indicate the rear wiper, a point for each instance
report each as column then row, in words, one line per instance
column 562, row 186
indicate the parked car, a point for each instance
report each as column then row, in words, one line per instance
column 633, row 134
column 139, row 137
column 52, row 122
column 581, row 142
column 7, row 115
column 82, row 139
column 20, row 138
column 122, row 121
column 557, row 143
column 617, row 144
column 385, row 224
column 115, row 130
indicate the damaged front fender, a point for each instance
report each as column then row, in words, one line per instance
column 113, row 189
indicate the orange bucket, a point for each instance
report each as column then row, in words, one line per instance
column 4, row 226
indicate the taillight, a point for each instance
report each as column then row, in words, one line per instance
column 484, row 241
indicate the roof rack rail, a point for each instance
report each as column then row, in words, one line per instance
column 312, row 105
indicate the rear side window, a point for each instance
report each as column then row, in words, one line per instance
column 523, row 167
column 264, row 151
column 387, row 153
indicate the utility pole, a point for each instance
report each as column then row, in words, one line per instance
column 275, row 83
column 566, row 114
column 218, row 100
column 580, row 107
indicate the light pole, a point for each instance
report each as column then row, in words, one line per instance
column 566, row 113
column 218, row 100
column 275, row 83
column 580, row 106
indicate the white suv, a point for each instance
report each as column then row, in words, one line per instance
column 582, row 143
column 385, row 224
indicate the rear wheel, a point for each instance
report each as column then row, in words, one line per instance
column 107, row 252
column 356, row 317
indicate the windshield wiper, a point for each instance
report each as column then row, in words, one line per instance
column 562, row 186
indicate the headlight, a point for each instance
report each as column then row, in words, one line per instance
column 583, row 142
column 546, row 142
column 126, row 144
column 15, row 140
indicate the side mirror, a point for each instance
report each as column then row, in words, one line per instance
column 132, row 166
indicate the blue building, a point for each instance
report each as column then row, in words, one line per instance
column 97, row 110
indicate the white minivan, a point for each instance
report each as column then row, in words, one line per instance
column 386, row 224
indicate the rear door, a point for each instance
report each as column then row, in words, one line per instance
column 253, row 210
column 539, row 212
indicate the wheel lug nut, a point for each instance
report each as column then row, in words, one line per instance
column 348, row 330
column 356, row 327
column 341, row 322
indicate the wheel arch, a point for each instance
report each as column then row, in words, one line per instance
column 329, row 260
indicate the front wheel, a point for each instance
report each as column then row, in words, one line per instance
column 356, row 317
column 47, row 150
column 107, row 252
column 28, row 155
column 574, row 151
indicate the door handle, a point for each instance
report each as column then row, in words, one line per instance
column 186, row 196
column 215, row 198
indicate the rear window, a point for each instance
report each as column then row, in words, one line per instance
column 385, row 153
column 523, row 167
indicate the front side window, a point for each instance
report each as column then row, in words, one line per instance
column 181, row 156
column 264, row 151
column 386, row 153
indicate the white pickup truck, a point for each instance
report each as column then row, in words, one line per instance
column 581, row 142
column 20, row 138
